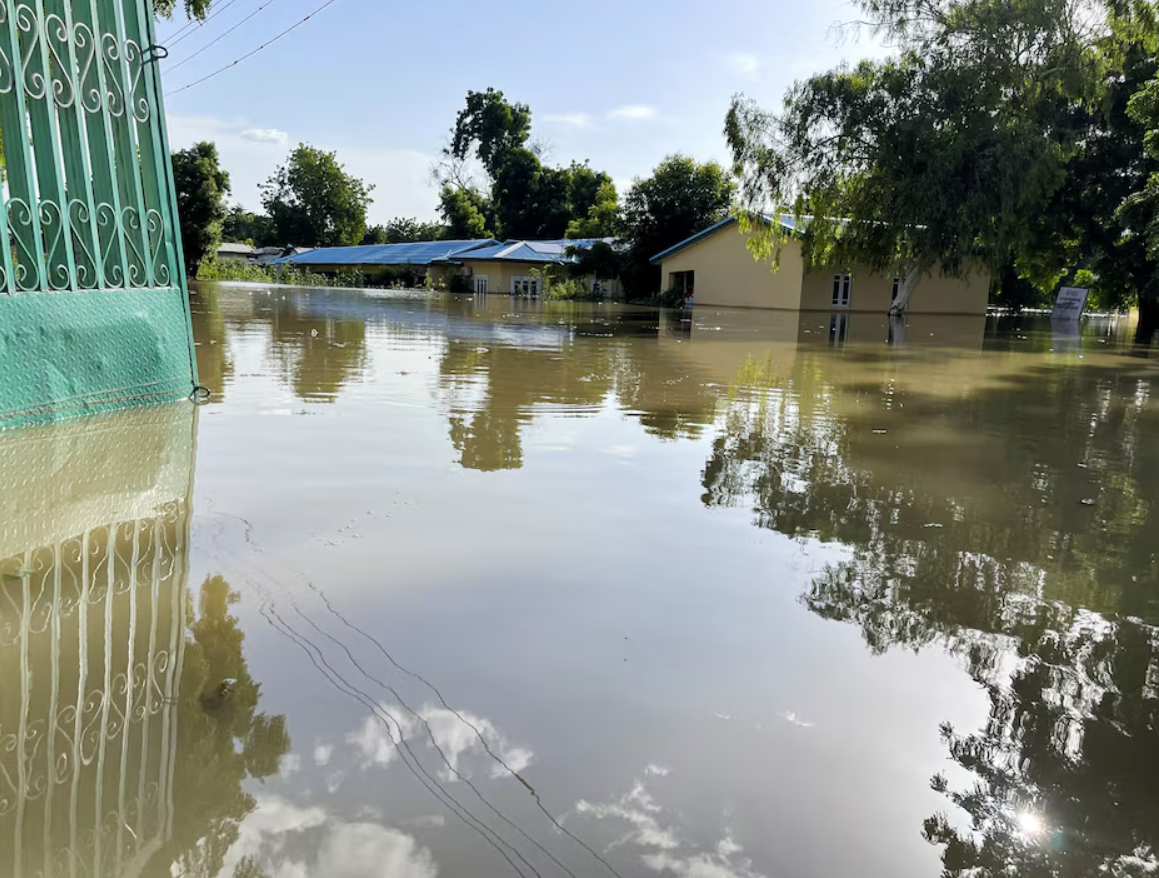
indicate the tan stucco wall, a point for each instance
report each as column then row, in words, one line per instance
column 727, row 274
column 500, row 274
column 936, row 293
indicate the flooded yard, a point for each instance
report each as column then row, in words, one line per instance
column 471, row 586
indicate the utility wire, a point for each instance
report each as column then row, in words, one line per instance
column 195, row 24
column 220, row 38
column 254, row 52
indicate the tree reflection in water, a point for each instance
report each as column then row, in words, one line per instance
column 222, row 740
column 1012, row 523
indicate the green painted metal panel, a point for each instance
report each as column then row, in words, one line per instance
column 94, row 310
column 91, row 351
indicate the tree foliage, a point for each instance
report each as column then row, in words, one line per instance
column 948, row 152
column 241, row 226
column 201, row 186
column 522, row 197
column 313, row 202
column 194, row 9
column 404, row 231
column 679, row 199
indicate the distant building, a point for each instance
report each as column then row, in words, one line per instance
column 507, row 267
column 715, row 267
column 485, row 266
column 234, row 253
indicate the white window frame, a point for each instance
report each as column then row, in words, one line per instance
column 842, row 290
column 480, row 285
column 532, row 290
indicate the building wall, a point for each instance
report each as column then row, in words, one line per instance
column 500, row 275
column 936, row 294
column 727, row 274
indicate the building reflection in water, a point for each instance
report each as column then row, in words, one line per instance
column 111, row 745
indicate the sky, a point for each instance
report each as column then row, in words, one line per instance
column 621, row 83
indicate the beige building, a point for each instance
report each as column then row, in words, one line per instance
column 715, row 267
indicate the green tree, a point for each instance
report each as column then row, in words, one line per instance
column 602, row 219
column 201, row 187
column 489, row 127
column 223, row 740
column 404, row 231
column 946, row 153
column 464, row 212
column 313, row 202
column 681, row 198
column 523, row 197
column 241, row 226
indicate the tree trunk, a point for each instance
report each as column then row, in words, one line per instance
column 896, row 333
column 1148, row 319
column 909, row 283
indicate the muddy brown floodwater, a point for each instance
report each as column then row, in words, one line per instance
column 469, row 587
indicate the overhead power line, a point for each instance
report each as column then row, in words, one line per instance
column 222, row 37
column 194, row 25
column 254, row 52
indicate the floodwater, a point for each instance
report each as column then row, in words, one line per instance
column 470, row 587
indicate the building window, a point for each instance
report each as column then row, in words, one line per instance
column 684, row 283
column 597, row 288
column 842, row 287
column 480, row 284
column 896, row 290
column 528, row 287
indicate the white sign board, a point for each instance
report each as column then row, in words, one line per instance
column 1070, row 303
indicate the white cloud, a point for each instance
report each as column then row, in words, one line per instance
column 634, row 112
column 747, row 64
column 343, row 850
column 323, row 753
column 654, row 770
column 289, row 764
column 377, row 740
column 572, row 120
column 364, row 850
column 265, row 135
column 401, row 177
column 661, row 847
column 459, row 736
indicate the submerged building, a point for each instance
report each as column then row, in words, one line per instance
column 479, row 266
column 715, row 267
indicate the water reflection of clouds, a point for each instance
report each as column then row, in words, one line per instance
column 653, row 831
column 459, row 735
column 288, row 841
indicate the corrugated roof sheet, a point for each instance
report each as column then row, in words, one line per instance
column 417, row 253
column 551, row 252
column 787, row 220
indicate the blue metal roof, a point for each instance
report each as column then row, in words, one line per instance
column 551, row 252
column 417, row 253
column 787, row 220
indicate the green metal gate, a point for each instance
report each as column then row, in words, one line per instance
column 94, row 310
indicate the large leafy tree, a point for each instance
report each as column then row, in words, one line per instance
column 679, row 199
column 947, row 153
column 201, row 188
column 313, row 202
column 521, row 197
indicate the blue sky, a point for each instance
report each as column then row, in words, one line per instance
column 621, row 84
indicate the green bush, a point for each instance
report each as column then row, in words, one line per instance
column 235, row 270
